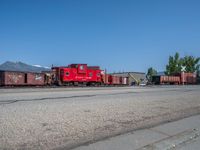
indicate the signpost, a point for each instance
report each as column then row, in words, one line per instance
column 183, row 71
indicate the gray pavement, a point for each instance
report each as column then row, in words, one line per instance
column 180, row 135
column 65, row 118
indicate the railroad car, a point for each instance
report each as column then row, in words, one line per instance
column 179, row 78
column 124, row 80
column 114, row 80
column 15, row 78
column 188, row 78
column 9, row 78
column 166, row 79
column 76, row 74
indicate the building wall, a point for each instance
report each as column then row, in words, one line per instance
column 133, row 77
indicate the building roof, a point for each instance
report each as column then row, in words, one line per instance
column 129, row 72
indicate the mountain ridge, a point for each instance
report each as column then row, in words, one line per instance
column 20, row 66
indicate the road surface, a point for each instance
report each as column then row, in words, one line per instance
column 183, row 134
column 65, row 118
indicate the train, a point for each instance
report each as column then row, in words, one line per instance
column 71, row 75
column 83, row 75
column 178, row 78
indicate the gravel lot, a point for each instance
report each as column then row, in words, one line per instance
column 64, row 118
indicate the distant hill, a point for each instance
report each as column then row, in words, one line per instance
column 20, row 66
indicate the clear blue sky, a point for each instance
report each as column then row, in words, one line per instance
column 120, row 35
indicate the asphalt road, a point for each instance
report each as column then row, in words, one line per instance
column 65, row 118
column 183, row 134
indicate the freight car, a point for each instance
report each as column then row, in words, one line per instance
column 15, row 78
column 188, row 78
column 114, row 80
column 179, row 78
column 166, row 79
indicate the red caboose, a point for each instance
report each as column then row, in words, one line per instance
column 75, row 74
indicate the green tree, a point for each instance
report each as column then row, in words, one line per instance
column 151, row 72
column 191, row 64
column 174, row 64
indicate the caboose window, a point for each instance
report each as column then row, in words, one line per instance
column 81, row 67
column 67, row 73
column 90, row 74
column 98, row 74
